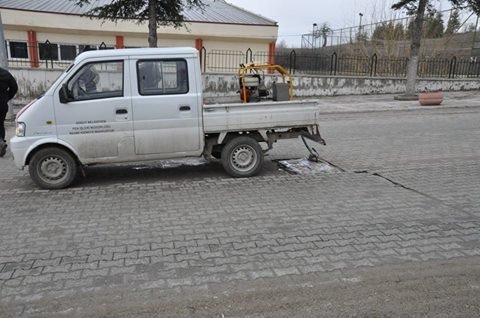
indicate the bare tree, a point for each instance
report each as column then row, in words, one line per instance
column 282, row 45
column 417, row 8
column 325, row 30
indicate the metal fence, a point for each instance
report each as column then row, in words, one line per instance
column 307, row 62
column 304, row 62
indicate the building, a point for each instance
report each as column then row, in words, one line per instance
column 50, row 33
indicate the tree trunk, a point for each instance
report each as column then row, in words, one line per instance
column 152, row 24
column 412, row 66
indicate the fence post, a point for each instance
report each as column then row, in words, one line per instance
column 249, row 52
column 406, row 66
column 478, row 67
column 373, row 65
column 292, row 62
column 453, row 66
column 203, row 59
column 333, row 64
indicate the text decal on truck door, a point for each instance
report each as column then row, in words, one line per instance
column 91, row 127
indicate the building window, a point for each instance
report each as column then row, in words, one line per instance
column 84, row 48
column 68, row 52
column 48, row 51
column 18, row 50
column 162, row 77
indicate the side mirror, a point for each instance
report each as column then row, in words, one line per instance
column 64, row 96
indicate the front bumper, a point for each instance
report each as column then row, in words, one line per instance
column 20, row 147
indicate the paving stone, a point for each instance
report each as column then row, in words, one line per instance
column 76, row 283
column 67, row 276
column 311, row 268
column 74, row 259
column 6, row 275
column 266, row 273
column 11, row 259
column 99, row 257
column 174, row 251
column 9, row 267
column 27, row 272
column 286, row 271
column 131, row 255
column 137, row 261
column 46, row 262
column 38, row 279
column 122, row 270
column 95, row 272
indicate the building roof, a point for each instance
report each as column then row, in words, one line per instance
column 216, row 11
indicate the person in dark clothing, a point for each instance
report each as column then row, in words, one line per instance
column 8, row 89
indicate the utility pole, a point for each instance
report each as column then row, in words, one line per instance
column 4, row 61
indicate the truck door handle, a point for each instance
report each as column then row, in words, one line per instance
column 184, row 108
column 121, row 111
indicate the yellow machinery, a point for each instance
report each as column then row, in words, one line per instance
column 252, row 83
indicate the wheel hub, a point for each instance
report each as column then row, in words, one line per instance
column 243, row 157
column 53, row 168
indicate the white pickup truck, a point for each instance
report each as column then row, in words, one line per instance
column 130, row 105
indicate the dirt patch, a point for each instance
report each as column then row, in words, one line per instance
column 430, row 289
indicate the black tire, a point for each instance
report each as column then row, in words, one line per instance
column 52, row 168
column 242, row 157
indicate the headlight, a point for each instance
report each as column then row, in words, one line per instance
column 20, row 131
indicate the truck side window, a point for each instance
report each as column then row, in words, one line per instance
column 97, row 80
column 162, row 77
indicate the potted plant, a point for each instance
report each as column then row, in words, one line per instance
column 430, row 98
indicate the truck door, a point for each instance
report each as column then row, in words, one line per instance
column 96, row 118
column 166, row 111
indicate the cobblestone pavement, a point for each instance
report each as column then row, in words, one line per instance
column 408, row 190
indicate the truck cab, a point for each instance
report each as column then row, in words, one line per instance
column 116, row 106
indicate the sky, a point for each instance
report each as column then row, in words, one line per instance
column 296, row 17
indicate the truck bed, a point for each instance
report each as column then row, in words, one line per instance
column 267, row 115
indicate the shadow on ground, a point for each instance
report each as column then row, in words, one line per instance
column 166, row 170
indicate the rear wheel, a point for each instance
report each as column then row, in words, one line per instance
column 242, row 157
column 52, row 168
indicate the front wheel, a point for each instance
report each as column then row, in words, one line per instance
column 242, row 157
column 52, row 168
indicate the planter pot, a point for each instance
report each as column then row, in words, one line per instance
column 430, row 98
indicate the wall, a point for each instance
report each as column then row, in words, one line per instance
column 222, row 85
column 33, row 82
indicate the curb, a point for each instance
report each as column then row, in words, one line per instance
column 11, row 122
column 419, row 109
